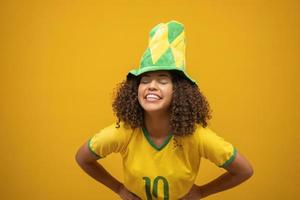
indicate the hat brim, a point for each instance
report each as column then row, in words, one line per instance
column 138, row 72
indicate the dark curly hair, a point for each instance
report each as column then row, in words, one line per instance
column 188, row 107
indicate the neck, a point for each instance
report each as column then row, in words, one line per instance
column 157, row 124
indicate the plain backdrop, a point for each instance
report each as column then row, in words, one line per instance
column 61, row 60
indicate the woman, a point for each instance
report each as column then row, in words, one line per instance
column 162, row 131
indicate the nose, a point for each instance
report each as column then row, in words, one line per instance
column 152, row 85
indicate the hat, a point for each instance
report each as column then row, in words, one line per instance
column 166, row 50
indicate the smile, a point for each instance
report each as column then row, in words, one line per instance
column 152, row 97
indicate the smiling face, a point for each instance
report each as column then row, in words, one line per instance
column 155, row 91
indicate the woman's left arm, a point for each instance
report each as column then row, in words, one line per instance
column 237, row 172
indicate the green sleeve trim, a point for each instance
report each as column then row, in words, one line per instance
column 91, row 150
column 229, row 161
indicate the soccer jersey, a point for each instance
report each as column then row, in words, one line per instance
column 163, row 172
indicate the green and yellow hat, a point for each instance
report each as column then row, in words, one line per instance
column 166, row 50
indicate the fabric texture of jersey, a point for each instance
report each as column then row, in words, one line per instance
column 161, row 172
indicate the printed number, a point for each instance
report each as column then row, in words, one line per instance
column 155, row 187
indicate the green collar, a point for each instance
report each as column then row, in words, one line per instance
column 148, row 137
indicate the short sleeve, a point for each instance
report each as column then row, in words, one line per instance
column 109, row 140
column 215, row 148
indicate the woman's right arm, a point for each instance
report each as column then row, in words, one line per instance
column 88, row 162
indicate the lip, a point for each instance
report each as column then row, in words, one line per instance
column 159, row 97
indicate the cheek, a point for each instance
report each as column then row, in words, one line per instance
column 169, row 93
column 140, row 93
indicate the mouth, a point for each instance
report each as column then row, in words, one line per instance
column 152, row 97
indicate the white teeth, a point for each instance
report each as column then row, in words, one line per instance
column 152, row 96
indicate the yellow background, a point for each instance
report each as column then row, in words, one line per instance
column 61, row 60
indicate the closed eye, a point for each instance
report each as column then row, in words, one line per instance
column 145, row 80
column 163, row 81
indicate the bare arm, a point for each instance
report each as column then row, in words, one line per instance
column 88, row 162
column 237, row 172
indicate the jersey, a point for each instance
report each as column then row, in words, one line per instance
column 164, row 172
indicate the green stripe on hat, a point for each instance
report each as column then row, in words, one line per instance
column 167, row 57
column 146, row 59
column 174, row 30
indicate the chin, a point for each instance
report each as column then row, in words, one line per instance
column 153, row 108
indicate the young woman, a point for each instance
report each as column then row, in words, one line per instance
column 161, row 131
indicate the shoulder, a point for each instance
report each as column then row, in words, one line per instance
column 112, row 138
column 114, row 132
column 201, row 131
column 206, row 135
column 120, row 128
column 204, row 131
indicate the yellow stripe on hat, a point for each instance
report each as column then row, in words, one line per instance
column 178, row 49
column 159, row 43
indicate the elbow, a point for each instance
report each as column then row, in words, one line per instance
column 243, row 173
column 78, row 160
column 248, row 173
column 251, row 172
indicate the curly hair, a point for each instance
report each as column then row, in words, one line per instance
column 188, row 107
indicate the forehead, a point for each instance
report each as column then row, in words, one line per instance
column 157, row 73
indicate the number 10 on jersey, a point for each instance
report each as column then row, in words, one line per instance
column 155, row 183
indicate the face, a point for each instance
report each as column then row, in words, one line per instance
column 155, row 91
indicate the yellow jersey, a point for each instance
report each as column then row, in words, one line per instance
column 164, row 172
